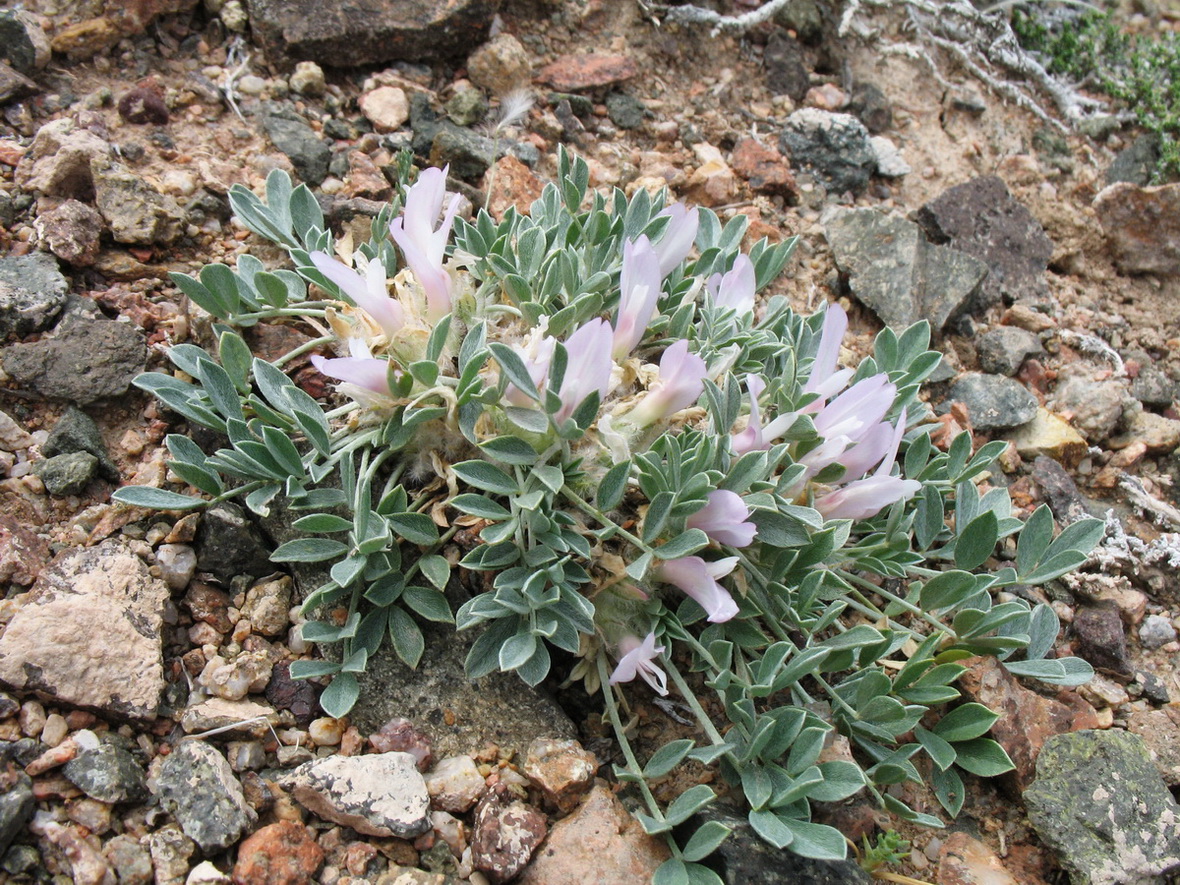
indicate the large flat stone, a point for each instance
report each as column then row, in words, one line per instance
column 90, row 636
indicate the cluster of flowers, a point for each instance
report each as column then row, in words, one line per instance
column 851, row 421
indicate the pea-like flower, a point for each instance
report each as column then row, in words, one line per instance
column 864, row 498
column 639, row 289
column 367, row 292
column 679, row 237
column 588, row 367
column 637, row 658
column 725, row 518
column 422, row 243
column 680, row 384
column 735, row 289
column 698, row 579
column 362, row 374
column 824, row 379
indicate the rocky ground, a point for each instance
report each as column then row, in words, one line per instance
column 150, row 731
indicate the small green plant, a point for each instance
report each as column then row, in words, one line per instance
column 1141, row 73
column 654, row 475
column 884, row 850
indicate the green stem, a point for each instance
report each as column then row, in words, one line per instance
column 690, row 698
column 903, row 603
column 604, row 520
column 302, row 349
column 612, row 713
column 306, row 311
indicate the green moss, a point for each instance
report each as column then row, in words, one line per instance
column 1141, row 73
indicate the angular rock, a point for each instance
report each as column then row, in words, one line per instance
column 229, row 543
column 242, row 717
column 298, row 696
column 109, row 774
column 83, row 361
column 386, row 107
column 67, row 474
column 872, row 107
column 1099, row 637
column 369, row 32
column 625, row 110
column 1095, row 408
column 1156, row 630
column 466, row 107
column 197, row 787
column 598, row 844
column 32, row 293
column 562, row 770
column 1142, row 226
column 1027, row 719
column 268, row 605
column 507, row 832
column 59, row 161
column 1153, row 387
column 170, row 849
column 1136, row 163
column 23, row 43
column 16, row 804
column 982, row 219
column 468, row 153
column 745, row 859
column 573, row 73
column 283, row 853
column 1099, row 802
column 964, row 860
column 131, row 861
column 72, row 232
column 75, row 431
column 834, row 147
column 23, row 554
column 1157, row 434
column 90, row 635
column 1003, row 350
column 14, row 85
column 993, row 403
column 454, row 784
column 500, row 66
column 291, row 134
column 1047, row 435
column 764, row 168
column 515, row 184
column 783, row 63
column 1160, row 731
column 895, row 272
column 890, row 161
column 381, row 794
column 136, row 212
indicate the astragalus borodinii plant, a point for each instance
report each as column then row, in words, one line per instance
column 658, row 474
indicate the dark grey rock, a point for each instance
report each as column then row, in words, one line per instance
column 14, row 85
column 109, row 774
column 467, row 107
column 368, row 32
column 1003, row 350
column 198, row 788
column 22, row 751
column 786, row 73
column 1099, row 637
column 228, row 543
column 1153, row 387
column 1101, row 804
column 994, row 403
column 834, row 147
column 525, row 152
column 307, row 152
column 625, row 111
column 83, row 361
column 871, row 106
column 982, row 219
column 9, row 706
column 32, row 293
column 23, row 858
column 895, row 272
column 468, row 153
column 298, row 696
column 16, row 806
column 1154, row 688
column 1136, row 163
column 745, row 859
column 23, row 43
column 67, row 474
column 1060, row 491
column 76, row 431
column 135, row 212
column 805, row 18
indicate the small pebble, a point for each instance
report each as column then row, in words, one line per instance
column 1156, row 631
column 55, row 730
column 326, row 731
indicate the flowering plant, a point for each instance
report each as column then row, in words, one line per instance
column 657, row 475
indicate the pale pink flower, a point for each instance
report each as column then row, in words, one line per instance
column 824, row 379
column 867, row 497
column 369, row 292
column 736, row 288
column 422, row 243
column 698, row 579
column 751, row 438
column 679, row 237
column 588, row 367
column 639, row 290
column 536, row 355
column 637, row 658
column 725, row 518
column 860, row 407
column 681, row 382
column 361, row 370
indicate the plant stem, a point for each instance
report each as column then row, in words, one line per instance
column 302, row 349
column 602, row 518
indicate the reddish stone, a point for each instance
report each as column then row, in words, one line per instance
column 1027, row 719
column 10, row 152
column 561, row 770
column 766, row 170
column 1142, row 226
column 365, row 179
column 401, row 736
column 144, row 104
column 574, row 72
column 269, row 341
column 23, row 554
column 964, row 860
column 507, row 832
column 278, row 854
column 510, row 183
column 206, row 603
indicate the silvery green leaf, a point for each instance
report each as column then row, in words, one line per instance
column 156, row 499
column 339, row 697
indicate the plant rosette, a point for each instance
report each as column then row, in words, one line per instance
column 670, row 481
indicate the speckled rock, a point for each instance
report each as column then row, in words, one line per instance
column 386, row 107
column 283, row 853
column 1099, row 637
column 1048, row 435
column 76, row 431
column 108, row 773
column 835, row 147
column 134, row 211
column 1099, row 802
column 229, row 543
column 381, row 794
column 267, row 606
column 562, row 770
column 572, row 73
column 993, row 402
column 292, row 135
column 16, row 803
column 23, row 554
column 1003, row 350
column 1160, row 731
column 599, row 843
column 170, row 849
column 197, row 787
column 23, row 43
column 1142, row 226
column 1095, row 408
column 67, row 474
column 964, row 860
column 91, row 634
column 131, row 861
column 32, row 293
column 507, row 832
column 500, row 65
column 59, row 161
